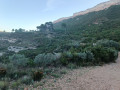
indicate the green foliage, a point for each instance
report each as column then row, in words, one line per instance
column 46, row 59
column 81, row 58
column 98, row 25
column 63, row 72
column 55, row 75
column 30, row 53
column 45, row 27
column 15, row 84
column 26, row 80
column 65, row 58
column 91, row 56
column 109, row 43
column 72, row 66
column 104, row 54
column 4, row 59
column 31, row 63
column 3, row 85
column 16, row 73
column 76, row 47
column 18, row 60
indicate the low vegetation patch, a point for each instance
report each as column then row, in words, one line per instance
column 20, row 69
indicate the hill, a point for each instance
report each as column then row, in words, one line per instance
column 98, row 24
column 98, row 7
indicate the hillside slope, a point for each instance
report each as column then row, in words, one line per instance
column 98, row 24
column 98, row 7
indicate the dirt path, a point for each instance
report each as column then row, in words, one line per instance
column 106, row 77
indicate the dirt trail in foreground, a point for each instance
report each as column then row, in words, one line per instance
column 106, row 77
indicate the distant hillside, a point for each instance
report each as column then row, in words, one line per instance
column 99, row 24
column 99, row 7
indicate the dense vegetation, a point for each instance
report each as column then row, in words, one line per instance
column 97, row 25
column 87, row 40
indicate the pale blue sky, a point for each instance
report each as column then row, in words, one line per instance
column 28, row 14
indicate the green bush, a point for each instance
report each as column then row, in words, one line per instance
column 66, row 58
column 72, row 66
column 19, row 60
column 46, row 59
column 80, row 58
column 89, row 56
column 31, row 63
column 96, row 55
column 109, row 43
column 4, row 59
column 15, row 85
column 26, row 80
column 15, row 73
column 104, row 54
column 4, row 85
column 84, row 58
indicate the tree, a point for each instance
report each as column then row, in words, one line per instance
column 49, row 26
column 44, row 27
column 13, row 30
column 19, row 30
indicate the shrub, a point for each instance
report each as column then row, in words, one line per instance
column 81, row 55
column 26, row 80
column 14, row 72
column 2, row 72
column 15, row 85
column 17, row 74
column 77, row 58
column 3, row 85
column 46, row 59
column 37, row 75
column 104, row 54
column 96, row 55
column 4, row 59
column 31, row 63
column 2, row 65
column 109, row 43
column 84, row 58
column 71, row 66
column 29, row 53
column 113, row 54
column 18, row 60
column 89, row 56
column 66, row 58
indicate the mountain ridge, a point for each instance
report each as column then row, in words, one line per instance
column 98, row 7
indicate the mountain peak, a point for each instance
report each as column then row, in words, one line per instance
column 98, row 7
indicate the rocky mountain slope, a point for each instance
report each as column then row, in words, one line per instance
column 99, row 7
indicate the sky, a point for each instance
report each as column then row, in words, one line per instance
column 28, row 14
